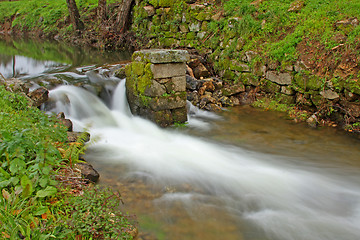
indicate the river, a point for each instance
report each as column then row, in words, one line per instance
column 242, row 174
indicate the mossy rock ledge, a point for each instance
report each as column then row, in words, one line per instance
column 156, row 85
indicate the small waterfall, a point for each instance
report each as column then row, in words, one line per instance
column 287, row 202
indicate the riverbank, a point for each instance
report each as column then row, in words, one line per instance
column 44, row 192
column 272, row 53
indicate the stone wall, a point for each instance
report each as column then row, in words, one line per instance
column 156, row 85
column 187, row 24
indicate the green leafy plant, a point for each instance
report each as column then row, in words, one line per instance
column 97, row 214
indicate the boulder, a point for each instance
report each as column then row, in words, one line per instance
column 279, row 78
column 87, row 171
column 39, row 96
column 329, row 94
column 74, row 136
column 199, row 70
column 150, row 10
column 233, row 89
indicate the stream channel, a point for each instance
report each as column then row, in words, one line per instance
column 241, row 174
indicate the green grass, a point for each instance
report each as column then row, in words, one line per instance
column 275, row 31
column 47, row 15
column 33, row 205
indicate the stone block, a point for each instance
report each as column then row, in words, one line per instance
column 154, row 90
column 161, row 56
column 179, row 83
column 166, row 102
column 168, row 70
column 329, row 94
column 195, row 27
column 279, row 78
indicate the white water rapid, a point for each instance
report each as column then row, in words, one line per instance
column 287, row 202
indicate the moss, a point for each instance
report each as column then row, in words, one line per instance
column 163, row 118
column 138, row 68
column 162, row 3
column 249, row 79
column 174, row 28
column 317, row 99
column 270, row 87
column 307, row 81
column 202, row 16
column 144, row 100
column 352, row 86
column 190, row 36
column 156, row 20
column 204, row 26
column 168, row 42
column 274, row 103
column 229, row 75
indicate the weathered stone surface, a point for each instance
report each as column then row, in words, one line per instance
column 270, row 87
column 74, row 136
column 165, row 102
column 250, row 55
column 199, row 70
column 287, row 90
column 353, row 108
column 150, row 10
column 195, row 27
column 87, row 171
column 179, row 115
column 179, row 83
column 226, row 102
column 168, row 70
column 155, row 89
column 15, row 85
column 279, row 78
column 239, row 66
column 234, row 89
column 192, row 83
column 329, row 94
column 207, row 86
column 184, row 28
column 161, row 56
column 312, row 121
column 39, row 96
column 217, row 16
column 66, row 122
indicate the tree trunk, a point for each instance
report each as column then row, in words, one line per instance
column 123, row 17
column 74, row 15
column 102, row 10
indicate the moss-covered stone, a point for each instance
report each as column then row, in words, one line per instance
column 190, row 36
column 352, row 86
column 202, row 16
column 269, row 87
column 161, row 3
column 249, row 79
column 138, row 68
column 229, row 75
column 307, row 82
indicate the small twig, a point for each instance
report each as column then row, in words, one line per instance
column 337, row 46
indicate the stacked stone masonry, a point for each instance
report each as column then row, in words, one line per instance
column 156, row 85
column 187, row 24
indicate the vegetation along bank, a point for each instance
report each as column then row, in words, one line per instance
column 43, row 190
column 301, row 57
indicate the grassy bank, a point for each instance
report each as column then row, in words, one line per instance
column 38, row 198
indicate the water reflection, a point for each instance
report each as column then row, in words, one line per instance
column 33, row 59
column 19, row 66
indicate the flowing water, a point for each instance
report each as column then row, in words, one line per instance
column 244, row 174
